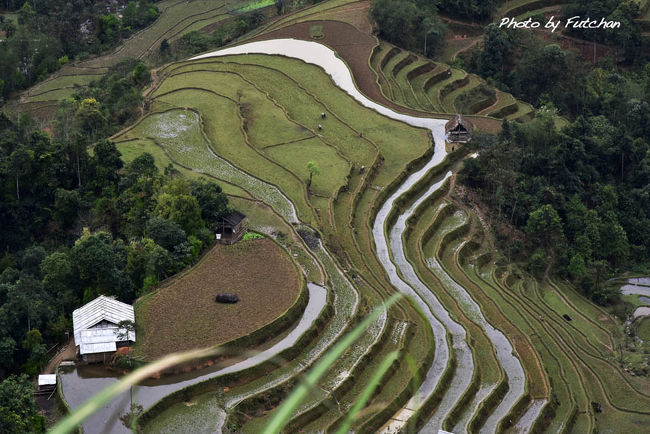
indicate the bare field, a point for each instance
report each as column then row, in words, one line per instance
column 184, row 315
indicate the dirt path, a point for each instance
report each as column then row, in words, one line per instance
column 69, row 351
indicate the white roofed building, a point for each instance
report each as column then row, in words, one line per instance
column 96, row 330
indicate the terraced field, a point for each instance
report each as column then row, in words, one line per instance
column 429, row 86
column 482, row 346
column 176, row 18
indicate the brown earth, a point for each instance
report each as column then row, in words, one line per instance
column 355, row 48
column 184, row 314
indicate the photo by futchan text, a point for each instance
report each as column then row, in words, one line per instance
column 576, row 22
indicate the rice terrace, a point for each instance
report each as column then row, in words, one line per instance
column 326, row 217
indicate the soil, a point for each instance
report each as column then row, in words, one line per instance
column 68, row 352
column 184, row 314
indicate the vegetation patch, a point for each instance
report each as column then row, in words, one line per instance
column 644, row 329
column 316, row 32
column 184, row 314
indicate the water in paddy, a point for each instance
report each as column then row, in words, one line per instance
column 318, row 54
column 213, row 408
column 525, row 423
column 82, row 382
column 442, row 353
column 179, row 131
column 505, row 352
column 637, row 286
column 465, row 362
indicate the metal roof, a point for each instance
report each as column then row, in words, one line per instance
column 102, row 347
column 101, row 308
column 98, row 335
column 93, row 337
column 47, row 379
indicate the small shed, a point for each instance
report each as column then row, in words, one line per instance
column 96, row 330
column 46, row 382
column 459, row 129
column 230, row 228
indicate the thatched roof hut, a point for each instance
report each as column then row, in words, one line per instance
column 459, row 129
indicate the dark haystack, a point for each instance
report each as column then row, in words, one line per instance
column 227, row 298
column 566, row 317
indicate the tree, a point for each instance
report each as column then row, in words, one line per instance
column 496, row 51
column 212, row 200
column 182, row 209
column 57, row 272
column 106, row 163
column 31, row 261
column 34, row 346
column 313, row 170
column 7, row 349
column 165, row 233
column 109, row 29
column 18, row 411
column 89, row 118
column 125, row 327
column 545, row 225
column 141, row 74
column 100, row 263
column 279, row 6
column 577, row 267
column 164, row 46
column 21, row 161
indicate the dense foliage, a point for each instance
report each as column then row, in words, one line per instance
column 18, row 412
column 48, row 33
column 413, row 25
column 627, row 37
column 581, row 195
column 479, row 10
column 76, row 225
column 512, row 60
column 575, row 201
column 197, row 41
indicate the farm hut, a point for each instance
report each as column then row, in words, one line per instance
column 46, row 382
column 96, row 330
column 229, row 229
column 459, row 129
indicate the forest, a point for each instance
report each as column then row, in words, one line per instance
column 138, row 224
column 47, row 34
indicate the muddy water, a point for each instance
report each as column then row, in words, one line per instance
column 318, row 54
column 465, row 367
column 637, row 286
column 211, row 410
column 83, row 382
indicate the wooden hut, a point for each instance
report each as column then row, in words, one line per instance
column 459, row 130
column 230, row 228
column 96, row 330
